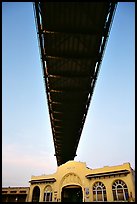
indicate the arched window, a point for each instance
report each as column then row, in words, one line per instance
column 36, row 194
column 99, row 192
column 48, row 194
column 120, row 191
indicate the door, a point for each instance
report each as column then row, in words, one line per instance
column 72, row 193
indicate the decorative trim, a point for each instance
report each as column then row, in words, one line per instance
column 50, row 180
column 112, row 173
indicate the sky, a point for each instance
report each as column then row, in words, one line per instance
column 108, row 136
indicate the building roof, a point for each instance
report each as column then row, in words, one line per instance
column 110, row 173
column 46, row 180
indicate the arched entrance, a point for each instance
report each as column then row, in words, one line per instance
column 71, row 193
column 36, row 194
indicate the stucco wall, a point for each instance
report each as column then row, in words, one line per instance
column 74, row 173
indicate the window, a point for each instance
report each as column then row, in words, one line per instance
column 13, row 191
column 22, row 191
column 99, row 192
column 4, row 191
column 48, row 194
column 120, row 191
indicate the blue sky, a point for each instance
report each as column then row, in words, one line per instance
column 108, row 137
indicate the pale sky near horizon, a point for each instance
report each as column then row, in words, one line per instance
column 108, row 136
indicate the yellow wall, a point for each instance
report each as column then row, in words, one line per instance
column 73, row 173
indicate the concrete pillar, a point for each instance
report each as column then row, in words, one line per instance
column 30, row 194
column 41, row 194
column 109, row 193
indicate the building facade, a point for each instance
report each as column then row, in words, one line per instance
column 75, row 182
column 15, row 194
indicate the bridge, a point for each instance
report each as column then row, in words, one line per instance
column 72, row 38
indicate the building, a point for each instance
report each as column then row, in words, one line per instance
column 15, row 194
column 74, row 181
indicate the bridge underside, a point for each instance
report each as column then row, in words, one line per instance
column 72, row 39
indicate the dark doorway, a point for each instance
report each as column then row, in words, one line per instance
column 36, row 194
column 71, row 194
